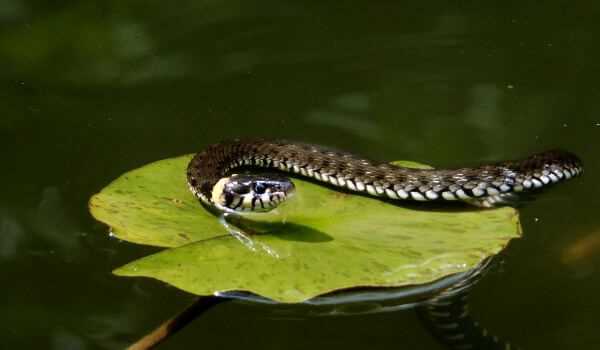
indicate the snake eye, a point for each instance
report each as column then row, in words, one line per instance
column 259, row 188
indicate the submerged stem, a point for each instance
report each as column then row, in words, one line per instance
column 174, row 324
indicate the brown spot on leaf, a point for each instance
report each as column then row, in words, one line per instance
column 184, row 236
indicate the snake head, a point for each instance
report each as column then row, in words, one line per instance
column 249, row 192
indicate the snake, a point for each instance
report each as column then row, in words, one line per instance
column 218, row 176
column 212, row 176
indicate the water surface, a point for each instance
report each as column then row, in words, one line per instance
column 92, row 90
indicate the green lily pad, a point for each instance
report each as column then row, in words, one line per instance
column 320, row 241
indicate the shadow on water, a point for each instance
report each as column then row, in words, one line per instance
column 442, row 307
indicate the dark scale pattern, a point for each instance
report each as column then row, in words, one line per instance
column 486, row 185
column 447, row 316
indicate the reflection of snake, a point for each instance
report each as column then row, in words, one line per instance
column 210, row 176
column 448, row 318
column 450, row 321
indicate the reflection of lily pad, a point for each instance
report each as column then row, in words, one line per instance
column 321, row 240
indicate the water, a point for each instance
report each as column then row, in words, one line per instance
column 91, row 90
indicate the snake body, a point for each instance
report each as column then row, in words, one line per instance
column 486, row 185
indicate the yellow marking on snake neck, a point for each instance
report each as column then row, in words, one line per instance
column 217, row 191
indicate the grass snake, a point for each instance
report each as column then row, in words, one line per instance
column 211, row 177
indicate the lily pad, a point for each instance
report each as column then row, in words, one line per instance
column 320, row 241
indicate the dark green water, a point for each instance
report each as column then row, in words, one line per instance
column 90, row 90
